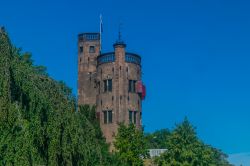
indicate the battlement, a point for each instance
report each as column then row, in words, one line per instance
column 88, row 36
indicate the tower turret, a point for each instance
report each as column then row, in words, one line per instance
column 111, row 81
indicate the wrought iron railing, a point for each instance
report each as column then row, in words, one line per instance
column 106, row 58
column 110, row 57
column 89, row 36
column 133, row 58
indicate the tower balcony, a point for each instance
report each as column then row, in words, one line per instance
column 110, row 57
column 133, row 58
column 88, row 36
column 106, row 58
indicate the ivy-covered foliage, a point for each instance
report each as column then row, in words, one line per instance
column 39, row 120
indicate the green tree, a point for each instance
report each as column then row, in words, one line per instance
column 185, row 149
column 157, row 139
column 130, row 145
column 40, row 123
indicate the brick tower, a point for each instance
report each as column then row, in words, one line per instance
column 112, row 82
column 88, row 50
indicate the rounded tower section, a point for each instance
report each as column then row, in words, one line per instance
column 119, row 91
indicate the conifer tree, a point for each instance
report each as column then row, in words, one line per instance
column 184, row 148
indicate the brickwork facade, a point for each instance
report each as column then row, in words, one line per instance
column 109, row 81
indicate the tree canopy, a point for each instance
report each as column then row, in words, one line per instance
column 130, row 145
column 185, row 149
column 39, row 120
column 41, row 124
column 157, row 139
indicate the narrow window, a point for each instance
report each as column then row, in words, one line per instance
column 107, row 85
column 92, row 49
column 134, row 82
column 131, row 86
column 130, row 116
column 135, row 117
column 110, row 85
column 81, row 49
column 105, row 117
column 110, row 118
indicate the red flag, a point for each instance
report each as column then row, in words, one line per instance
column 143, row 92
column 139, row 87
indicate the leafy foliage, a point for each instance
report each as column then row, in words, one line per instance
column 185, row 149
column 39, row 121
column 157, row 139
column 130, row 145
column 40, row 124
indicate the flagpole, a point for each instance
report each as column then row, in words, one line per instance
column 100, row 33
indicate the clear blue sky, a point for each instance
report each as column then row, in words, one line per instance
column 195, row 55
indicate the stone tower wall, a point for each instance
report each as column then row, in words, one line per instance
column 120, row 67
column 120, row 101
column 87, row 67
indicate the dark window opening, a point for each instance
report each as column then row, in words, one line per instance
column 107, row 85
column 135, row 117
column 132, row 116
column 105, row 117
column 81, row 49
column 108, row 116
column 92, row 49
column 131, row 86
